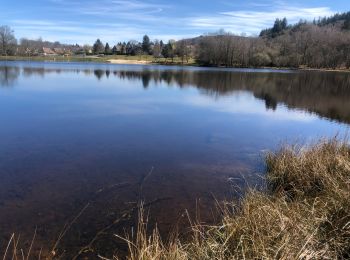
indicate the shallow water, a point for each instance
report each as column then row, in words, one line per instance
column 96, row 139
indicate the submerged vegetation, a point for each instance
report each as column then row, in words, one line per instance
column 304, row 213
column 326, row 94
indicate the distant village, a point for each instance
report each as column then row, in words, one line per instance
column 63, row 50
column 55, row 51
column 156, row 48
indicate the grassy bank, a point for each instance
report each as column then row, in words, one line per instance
column 304, row 213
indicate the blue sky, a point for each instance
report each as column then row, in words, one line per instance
column 82, row 21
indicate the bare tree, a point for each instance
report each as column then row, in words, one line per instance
column 316, row 45
column 24, row 48
column 183, row 50
column 8, row 41
column 157, row 49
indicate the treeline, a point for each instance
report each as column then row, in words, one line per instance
column 10, row 46
column 322, row 43
column 157, row 48
column 311, row 46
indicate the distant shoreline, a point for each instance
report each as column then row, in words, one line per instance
column 147, row 60
column 121, row 61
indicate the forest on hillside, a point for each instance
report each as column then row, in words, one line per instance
column 322, row 43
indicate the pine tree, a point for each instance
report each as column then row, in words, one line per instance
column 168, row 50
column 107, row 49
column 146, row 45
column 346, row 25
column 284, row 23
column 114, row 50
column 98, row 47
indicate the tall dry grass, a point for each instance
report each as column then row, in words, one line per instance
column 14, row 252
column 304, row 213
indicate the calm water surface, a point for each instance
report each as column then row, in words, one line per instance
column 96, row 139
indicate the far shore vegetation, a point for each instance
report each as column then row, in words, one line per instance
column 323, row 43
column 303, row 212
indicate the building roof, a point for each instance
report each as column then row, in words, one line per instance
column 59, row 50
column 48, row 51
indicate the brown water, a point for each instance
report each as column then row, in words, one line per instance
column 97, row 139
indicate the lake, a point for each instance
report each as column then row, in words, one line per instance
column 81, row 144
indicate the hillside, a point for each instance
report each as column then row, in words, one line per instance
column 319, row 44
column 338, row 21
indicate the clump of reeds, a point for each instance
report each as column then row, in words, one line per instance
column 145, row 247
column 318, row 178
column 14, row 252
column 304, row 213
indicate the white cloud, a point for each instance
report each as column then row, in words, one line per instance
column 240, row 102
column 120, row 9
column 123, row 20
column 253, row 22
column 75, row 32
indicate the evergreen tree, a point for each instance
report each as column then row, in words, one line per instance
column 146, row 44
column 346, row 25
column 168, row 50
column 115, row 50
column 278, row 27
column 123, row 48
column 284, row 23
column 165, row 51
column 107, row 49
column 128, row 48
column 98, row 47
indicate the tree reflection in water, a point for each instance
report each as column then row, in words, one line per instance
column 324, row 93
column 8, row 76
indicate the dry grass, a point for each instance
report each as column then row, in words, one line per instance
column 147, row 247
column 303, row 214
column 14, row 252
